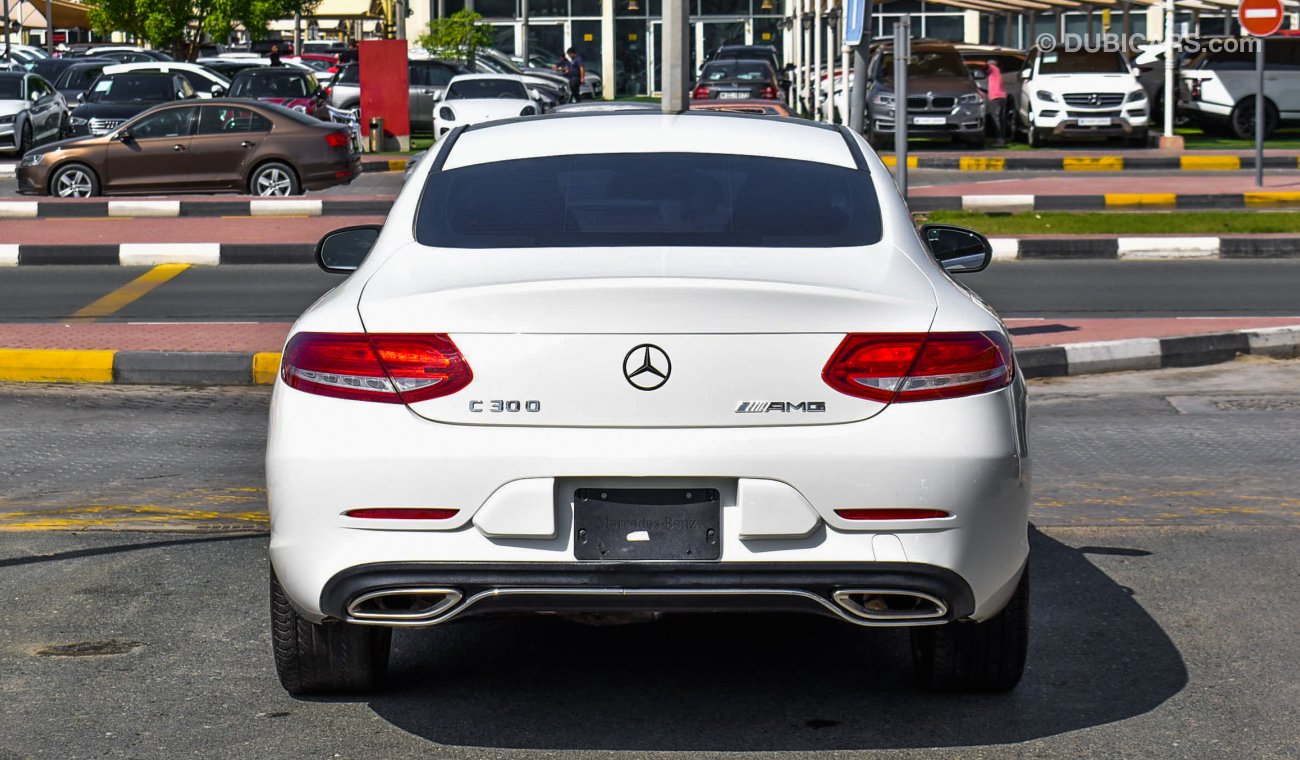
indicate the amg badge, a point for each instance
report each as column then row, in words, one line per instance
column 759, row 407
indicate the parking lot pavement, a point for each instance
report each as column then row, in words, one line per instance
column 1163, row 558
column 230, row 230
column 367, row 184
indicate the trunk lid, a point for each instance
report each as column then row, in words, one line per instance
column 742, row 336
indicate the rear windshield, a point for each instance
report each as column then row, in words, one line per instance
column 1082, row 62
column 648, row 199
column 272, row 86
column 744, row 71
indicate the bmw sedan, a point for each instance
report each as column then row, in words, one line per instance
column 585, row 370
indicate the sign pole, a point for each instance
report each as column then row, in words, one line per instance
column 902, row 51
column 1259, row 112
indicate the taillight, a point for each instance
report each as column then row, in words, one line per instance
column 1196, row 89
column 700, row 93
column 896, row 367
column 388, row 368
column 337, row 139
column 769, row 92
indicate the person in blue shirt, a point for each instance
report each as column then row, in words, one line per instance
column 575, row 70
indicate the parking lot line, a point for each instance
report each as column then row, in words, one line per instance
column 1210, row 163
column 128, row 293
column 34, row 365
column 1093, row 164
column 131, row 517
column 1141, row 199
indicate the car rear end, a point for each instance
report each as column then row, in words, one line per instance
column 705, row 407
column 737, row 80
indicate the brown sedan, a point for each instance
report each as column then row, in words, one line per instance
column 218, row 145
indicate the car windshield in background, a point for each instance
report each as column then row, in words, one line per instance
column 635, row 199
column 942, row 63
column 126, row 89
column 273, row 86
column 1082, row 62
column 740, row 71
column 78, row 78
column 11, row 89
column 478, row 89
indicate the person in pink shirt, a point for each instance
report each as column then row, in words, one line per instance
column 997, row 104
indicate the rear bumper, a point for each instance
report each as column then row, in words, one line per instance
column 332, row 173
column 966, row 456
column 625, row 587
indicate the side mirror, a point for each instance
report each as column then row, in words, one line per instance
column 35, row 97
column 343, row 250
column 218, row 90
column 439, row 95
column 124, row 135
column 957, row 249
column 534, row 94
column 81, row 97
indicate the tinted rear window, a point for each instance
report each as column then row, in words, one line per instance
column 648, row 199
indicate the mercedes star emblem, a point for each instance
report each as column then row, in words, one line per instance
column 647, row 367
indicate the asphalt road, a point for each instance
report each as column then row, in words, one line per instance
column 1017, row 289
column 1166, row 546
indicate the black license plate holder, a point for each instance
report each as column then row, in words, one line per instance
column 632, row 524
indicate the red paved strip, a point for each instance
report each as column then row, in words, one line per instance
column 1084, row 151
column 1029, row 333
column 270, row 336
column 175, row 230
column 1092, row 183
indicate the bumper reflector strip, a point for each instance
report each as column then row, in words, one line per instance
column 402, row 513
column 891, row 514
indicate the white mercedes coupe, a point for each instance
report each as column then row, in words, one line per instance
column 634, row 364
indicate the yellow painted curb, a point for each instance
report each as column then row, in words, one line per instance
column 131, row 517
column 975, row 164
column 1216, row 163
column 266, row 365
column 38, row 365
column 397, row 165
column 893, row 161
column 1141, row 199
column 1093, row 164
column 1272, row 198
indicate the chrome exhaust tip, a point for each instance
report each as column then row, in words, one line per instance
column 891, row 605
column 403, row 605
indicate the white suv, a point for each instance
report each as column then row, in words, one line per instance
column 1081, row 94
column 1218, row 87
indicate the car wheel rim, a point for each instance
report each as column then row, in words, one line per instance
column 74, row 184
column 273, row 182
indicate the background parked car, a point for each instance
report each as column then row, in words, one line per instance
column 76, row 76
column 765, row 53
column 545, row 61
column 23, row 56
column 31, row 111
column 124, row 53
column 755, row 107
column 1217, row 89
column 737, row 80
column 206, row 83
column 295, row 89
column 427, row 80
column 229, row 145
column 551, row 85
column 1082, row 94
column 942, row 98
column 477, row 98
column 115, row 98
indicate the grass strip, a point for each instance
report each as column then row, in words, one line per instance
column 1120, row 223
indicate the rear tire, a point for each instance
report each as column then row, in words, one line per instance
column 325, row 658
column 1242, row 120
column 273, row 178
column 976, row 657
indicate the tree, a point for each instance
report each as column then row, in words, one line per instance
column 182, row 24
column 457, row 37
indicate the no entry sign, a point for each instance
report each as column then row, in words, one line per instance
column 1260, row 18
